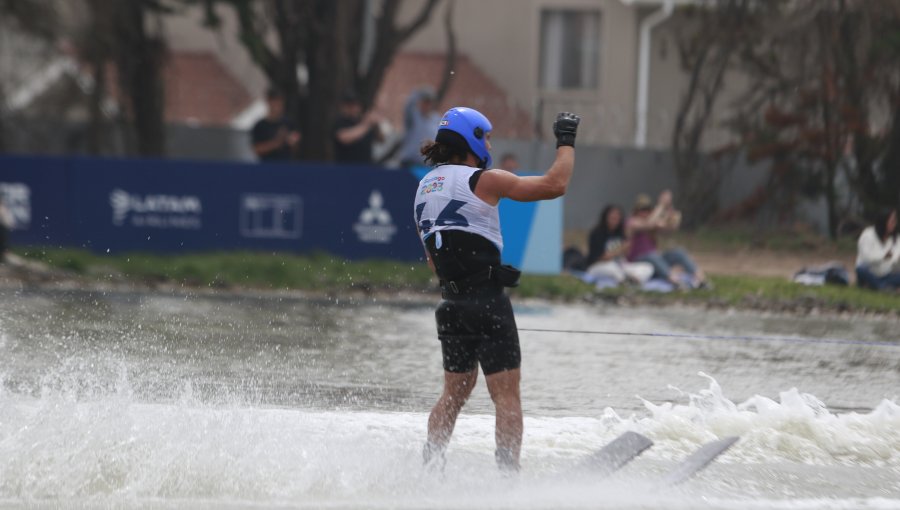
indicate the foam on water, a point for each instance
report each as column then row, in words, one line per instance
column 84, row 436
column 796, row 427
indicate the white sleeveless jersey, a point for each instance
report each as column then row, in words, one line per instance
column 444, row 201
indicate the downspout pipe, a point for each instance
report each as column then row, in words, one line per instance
column 367, row 48
column 646, row 31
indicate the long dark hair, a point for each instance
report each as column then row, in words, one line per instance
column 881, row 221
column 602, row 224
column 601, row 233
column 452, row 148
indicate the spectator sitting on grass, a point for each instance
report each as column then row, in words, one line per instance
column 878, row 253
column 607, row 247
column 643, row 226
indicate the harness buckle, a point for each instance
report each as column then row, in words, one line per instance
column 454, row 287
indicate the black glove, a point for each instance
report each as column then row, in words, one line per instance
column 564, row 128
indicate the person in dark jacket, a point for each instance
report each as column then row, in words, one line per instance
column 274, row 136
column 355, row 131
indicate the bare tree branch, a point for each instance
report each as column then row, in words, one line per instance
column 389, row 39
column 450, row 61
column 424, row 14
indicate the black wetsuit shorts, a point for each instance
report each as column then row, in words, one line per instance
column 475, row 321
column 478, row 330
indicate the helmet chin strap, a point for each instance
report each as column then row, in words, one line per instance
column 479, row 162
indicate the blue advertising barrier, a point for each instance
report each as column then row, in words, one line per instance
column 118, row 205
column 34, row 191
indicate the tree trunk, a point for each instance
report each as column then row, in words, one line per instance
column 706, row 54
column 325, row 38
column 389, row 39
column 2, row 120
column 139, row 60
column 325, row 83
column 450, row 61
column 95, row 110
column 891, row 163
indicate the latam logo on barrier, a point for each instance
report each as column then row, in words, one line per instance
column 16, row 196
column 268, row 216
column 156, row 211
column 375, row 224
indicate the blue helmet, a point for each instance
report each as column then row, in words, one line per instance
column 473, row 127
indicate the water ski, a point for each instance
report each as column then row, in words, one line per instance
column 698, row 460
column 616, row 454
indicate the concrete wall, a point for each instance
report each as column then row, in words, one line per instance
column 603, row 175
column 614, row 175
column 51, row 138
column 185, row 142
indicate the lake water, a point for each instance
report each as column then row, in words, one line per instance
column 163, row 401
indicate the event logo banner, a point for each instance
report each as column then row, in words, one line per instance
column 16, row 196
column 156, row 211
column 375, row 224
column 271, row 216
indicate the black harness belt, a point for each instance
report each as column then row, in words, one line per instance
column 490, row 280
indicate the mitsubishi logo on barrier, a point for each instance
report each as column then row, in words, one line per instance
column 16, row 197
column 375, row 224
column 155, row 211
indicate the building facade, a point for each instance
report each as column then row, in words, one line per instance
column 615, row 62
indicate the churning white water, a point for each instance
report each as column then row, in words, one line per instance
column 172, row 402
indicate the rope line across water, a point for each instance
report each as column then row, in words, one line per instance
column 735, row 338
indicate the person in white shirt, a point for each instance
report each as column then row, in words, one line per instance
column 878, row 254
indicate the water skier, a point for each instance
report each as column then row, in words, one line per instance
column 458, row 222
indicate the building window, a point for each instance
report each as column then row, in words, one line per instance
column 570, row 49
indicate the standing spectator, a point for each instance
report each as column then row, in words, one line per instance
column 274, row 136
column 420, row 119
column 878, row 253
column 607, row 247
column 642, row 228
column 510, row 162
column 355, row 131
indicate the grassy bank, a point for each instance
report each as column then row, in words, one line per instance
column 239, row 269
column 736, row 237
column 767, row 293
column 326, row 273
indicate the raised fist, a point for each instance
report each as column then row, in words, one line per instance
column 564, row 128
